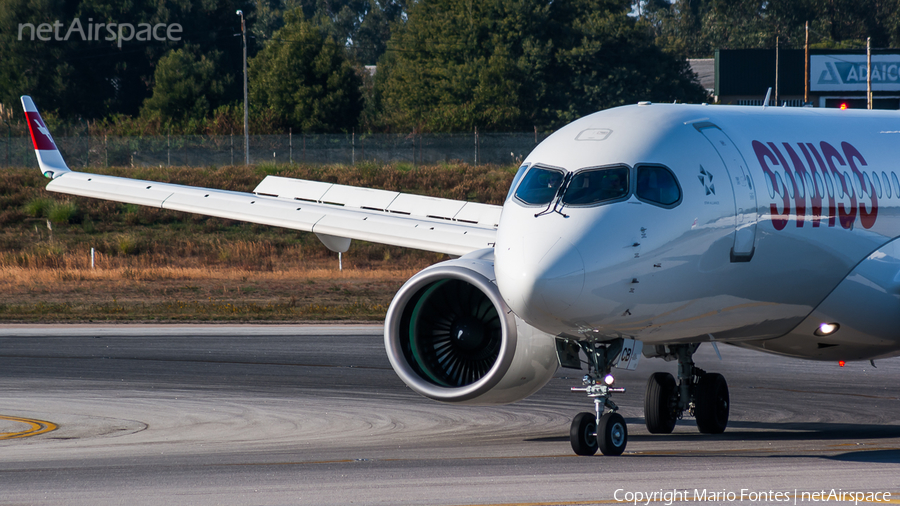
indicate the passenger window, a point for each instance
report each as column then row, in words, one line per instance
column 594, row 186
column 657, row 185
column 539, row 186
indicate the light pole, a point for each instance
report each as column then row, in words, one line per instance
column 246, row 111
column 869, row 72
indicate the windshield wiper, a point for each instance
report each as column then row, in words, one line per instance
column 552, row 207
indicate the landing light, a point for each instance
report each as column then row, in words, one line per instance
column 826, row 329
column 608, row 379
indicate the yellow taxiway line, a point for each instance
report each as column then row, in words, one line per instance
column 35, row 427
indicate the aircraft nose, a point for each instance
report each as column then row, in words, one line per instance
column 539, row 280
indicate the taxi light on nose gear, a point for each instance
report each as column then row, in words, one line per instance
column 826, row 329
column 608, row 379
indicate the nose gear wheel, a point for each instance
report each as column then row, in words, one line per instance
column 612, row 434
column 583, row 434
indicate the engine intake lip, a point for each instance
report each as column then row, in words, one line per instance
column 393, row 326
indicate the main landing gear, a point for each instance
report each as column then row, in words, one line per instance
column 703, row 395
column 604, row 429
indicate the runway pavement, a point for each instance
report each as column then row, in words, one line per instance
column 268, row 414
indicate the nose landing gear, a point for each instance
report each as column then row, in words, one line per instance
column 604, row 429
column 703, row 395
column 601, row 430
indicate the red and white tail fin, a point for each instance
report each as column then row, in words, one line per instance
column 49, row 158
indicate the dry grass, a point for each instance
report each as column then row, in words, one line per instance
column 190, row 293
column 12, row 278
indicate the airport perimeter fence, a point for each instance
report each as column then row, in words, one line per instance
column 220, row 150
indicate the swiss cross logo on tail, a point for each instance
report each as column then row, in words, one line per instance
column 43, row 129
column 40, row 134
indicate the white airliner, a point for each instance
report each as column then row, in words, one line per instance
column 640, row 230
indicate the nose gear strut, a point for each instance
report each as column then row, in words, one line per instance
column 604, row 429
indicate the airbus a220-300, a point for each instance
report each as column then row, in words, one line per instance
column 643, row 230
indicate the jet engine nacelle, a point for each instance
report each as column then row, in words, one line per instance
column 450, row 337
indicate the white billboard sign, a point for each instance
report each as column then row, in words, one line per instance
column 847, row 72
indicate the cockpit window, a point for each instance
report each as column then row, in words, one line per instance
column 539, row 186
column 657, row 185
column 594, row 186
column 515, row 181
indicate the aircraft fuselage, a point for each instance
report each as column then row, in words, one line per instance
column 785, row 219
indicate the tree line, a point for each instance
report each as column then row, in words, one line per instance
column 390, row 65
column 696, row 28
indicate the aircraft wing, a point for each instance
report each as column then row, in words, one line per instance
column 335, row 213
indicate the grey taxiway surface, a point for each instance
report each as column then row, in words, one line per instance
column 314, row 415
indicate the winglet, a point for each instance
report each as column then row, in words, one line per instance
column 49, row 158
